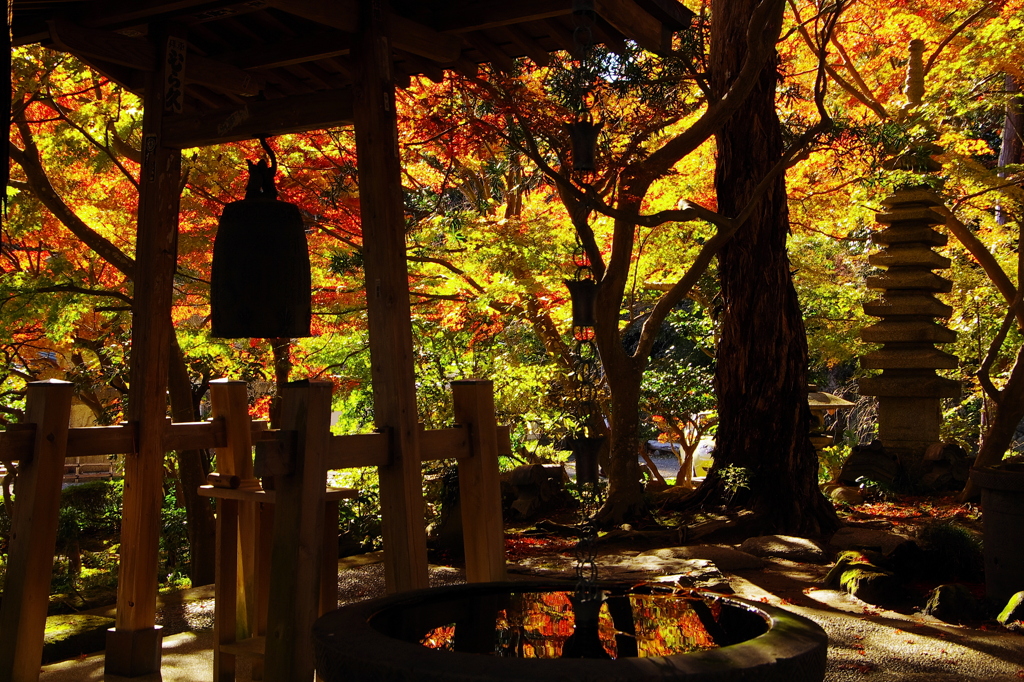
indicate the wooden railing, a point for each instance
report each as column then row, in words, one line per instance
column 297, row 457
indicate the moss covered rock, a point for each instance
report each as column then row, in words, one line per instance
column 1012, row 617
column 74, row 634
column 855, row 572
column 952, row 604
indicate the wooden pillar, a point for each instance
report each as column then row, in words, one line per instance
column 230, row 401
column 236, row 528
column 297, row 552
column 34, row 533
column 133, row 647
column 479, row 488
column 387, row 298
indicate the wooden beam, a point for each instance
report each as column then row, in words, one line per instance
column 453, row 443
column 408, row 35
column 122, row 13
column 671, row 13
column 359, row 450
column 298, row 113
column 563, row 36
column 321, row 45
column 528, row 45
column 34, row 532
column 387, row 297
column 141, row 54
column 633, row 22
column 416, row 64
column 491, row 52
column 477, row 15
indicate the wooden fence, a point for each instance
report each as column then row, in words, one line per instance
column 296, row 456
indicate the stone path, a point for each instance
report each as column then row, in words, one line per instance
column 866, row 643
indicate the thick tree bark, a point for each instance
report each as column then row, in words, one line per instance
column 761, row 375
column 625, row 501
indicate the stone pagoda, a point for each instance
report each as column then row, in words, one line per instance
column 909, row 391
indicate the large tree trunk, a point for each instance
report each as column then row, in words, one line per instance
column 192, row 474
column 761, row 375
column 999, row 436
column 625, row 501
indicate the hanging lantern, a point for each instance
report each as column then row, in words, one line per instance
column 585, row 451
column 583, row 138
column 260, row 282
column 583, row 293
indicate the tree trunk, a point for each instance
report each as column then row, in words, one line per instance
column 625, row 501
column 761, row 376
column 192, row 474
column 999, row 436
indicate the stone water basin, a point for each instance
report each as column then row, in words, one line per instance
column 524, row 631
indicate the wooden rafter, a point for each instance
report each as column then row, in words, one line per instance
column 409, row 35
column 331, row 43
column 98, row 46
column 326, row 109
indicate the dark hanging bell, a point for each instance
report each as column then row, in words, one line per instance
column 260, row 282
column 583, row 138
column 585, row 451
column 583, row 293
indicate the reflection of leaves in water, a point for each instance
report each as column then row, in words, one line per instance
column 667, row 625
column 536, row 625
column 442, row 637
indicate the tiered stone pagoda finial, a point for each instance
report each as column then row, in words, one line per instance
column 909, row 391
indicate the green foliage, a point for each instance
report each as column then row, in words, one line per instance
column 734, row 478
column 174, row 546
column 359, row 518
column 952, row 552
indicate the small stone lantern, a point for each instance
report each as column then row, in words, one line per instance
column 821, row 403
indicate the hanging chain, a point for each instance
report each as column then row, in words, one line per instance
column 586, row 370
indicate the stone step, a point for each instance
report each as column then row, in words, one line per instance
column 909, row 358
column 921, row 280
column 910, row 331
column 907, row 304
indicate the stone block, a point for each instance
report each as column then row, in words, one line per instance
column 909, row 387
column 924, row 357
column 907, row 331
column 913, row 214
column 909, row 256
column 907, row 235
column 898, row 303
column 784, row 547
column 909, row 198
column 909, row 419
column 919, row 280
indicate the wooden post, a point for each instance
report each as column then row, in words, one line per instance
column 236, row 529
column 34, row 533
column 133, row 647
column 387, row 299
column 479, row 488
column 227, row 590
column 230, row 401
column 297, row 552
